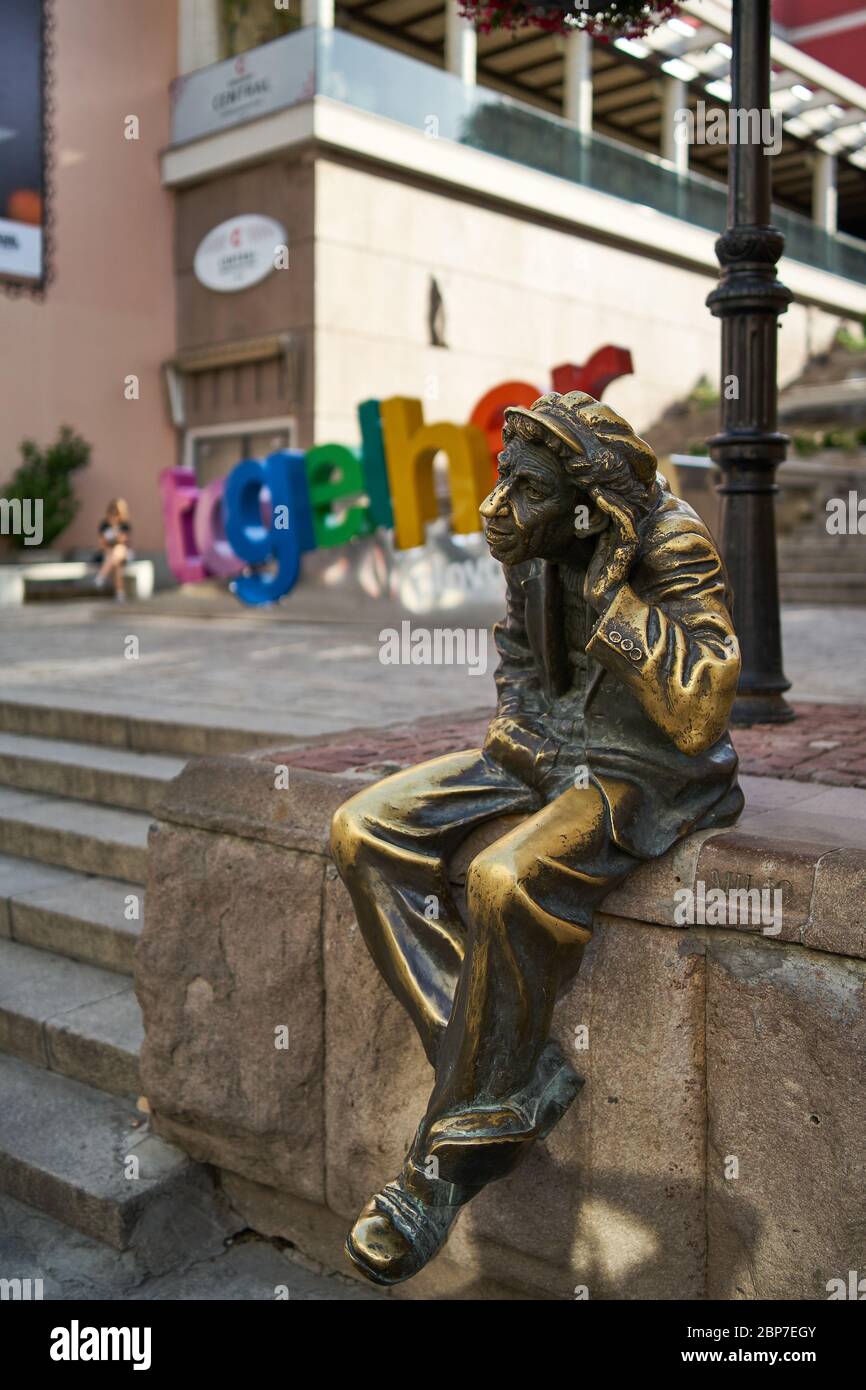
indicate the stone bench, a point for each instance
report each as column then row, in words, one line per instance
column 717, row 1149
column 20, row 583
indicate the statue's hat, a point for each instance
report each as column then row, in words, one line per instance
column 590, row 429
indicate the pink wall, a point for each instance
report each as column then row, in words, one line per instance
column 110, row 309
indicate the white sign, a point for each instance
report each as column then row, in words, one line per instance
column 20, row 250
column 239, row 253
column 253, row 84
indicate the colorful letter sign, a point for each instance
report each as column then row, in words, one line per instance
column 269, row 512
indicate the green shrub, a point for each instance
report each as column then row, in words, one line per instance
column 47, row 474
column 806, row 443
column 854, row 342
column 247, row 23
column 840, row 439
column 704, row 392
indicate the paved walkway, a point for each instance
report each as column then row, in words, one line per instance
column 824, row 744
column 309, row 677
column 300, row 679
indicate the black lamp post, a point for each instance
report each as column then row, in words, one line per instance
column 748, row 449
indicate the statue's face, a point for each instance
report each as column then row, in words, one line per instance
column 530, row 514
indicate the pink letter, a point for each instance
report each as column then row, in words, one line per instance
column 217, row 555
column 177, row 487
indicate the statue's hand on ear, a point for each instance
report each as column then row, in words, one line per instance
column 615, row 550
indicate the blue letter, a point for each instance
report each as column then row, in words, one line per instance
column 289, row 533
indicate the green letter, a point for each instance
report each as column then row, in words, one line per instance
column 334, row 471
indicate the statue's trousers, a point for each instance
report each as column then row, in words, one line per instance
column 481, row 995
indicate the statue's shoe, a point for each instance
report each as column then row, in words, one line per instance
column 402, row 1227
column 475, row 1147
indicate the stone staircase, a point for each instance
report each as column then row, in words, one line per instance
column 75, row 804
column 815, row 567
column 821, row 569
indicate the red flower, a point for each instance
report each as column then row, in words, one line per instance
column 614, row 19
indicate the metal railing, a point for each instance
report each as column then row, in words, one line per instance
column 339, row 65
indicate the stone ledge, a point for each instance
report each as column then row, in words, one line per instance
column 820, row 878
column 239, row 796
column 705, row 1042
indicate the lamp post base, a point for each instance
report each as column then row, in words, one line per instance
column 765, row 708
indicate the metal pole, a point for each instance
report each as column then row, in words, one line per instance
column 748, row 449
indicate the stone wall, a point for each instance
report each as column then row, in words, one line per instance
column 710, row 1051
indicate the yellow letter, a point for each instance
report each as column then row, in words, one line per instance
column 410, row 447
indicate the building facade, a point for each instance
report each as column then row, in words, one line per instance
column 455, row 211
column 108, row 313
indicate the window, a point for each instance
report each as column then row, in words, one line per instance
column 213, row 451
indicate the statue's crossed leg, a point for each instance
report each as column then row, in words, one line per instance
column 482, row 996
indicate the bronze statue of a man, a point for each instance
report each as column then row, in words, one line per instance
column 618, row 668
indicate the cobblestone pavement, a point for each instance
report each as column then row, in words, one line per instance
column 312, row 676
column 826, row 743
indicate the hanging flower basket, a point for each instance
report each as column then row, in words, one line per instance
column 619, row 19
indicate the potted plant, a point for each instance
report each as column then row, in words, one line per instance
column 613, row 20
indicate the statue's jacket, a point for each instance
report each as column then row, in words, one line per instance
column 640, row 694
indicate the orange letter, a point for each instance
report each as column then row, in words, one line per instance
column 488, row 413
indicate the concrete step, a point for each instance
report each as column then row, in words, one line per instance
column 74, row 1267
column 795, row 567
column 816, row 543
column 80, row 916
column 83, row 724
column 112, row 776
column 823, row 579
column 823, row 599
column 839, row 562
column 74, row 834
column 75, row 1019
column 847, row 550
column 800, row 589
column 89, row 1160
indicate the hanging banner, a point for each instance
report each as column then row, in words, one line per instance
column 22, row 142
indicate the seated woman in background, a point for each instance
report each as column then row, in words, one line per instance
column 114, row 535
